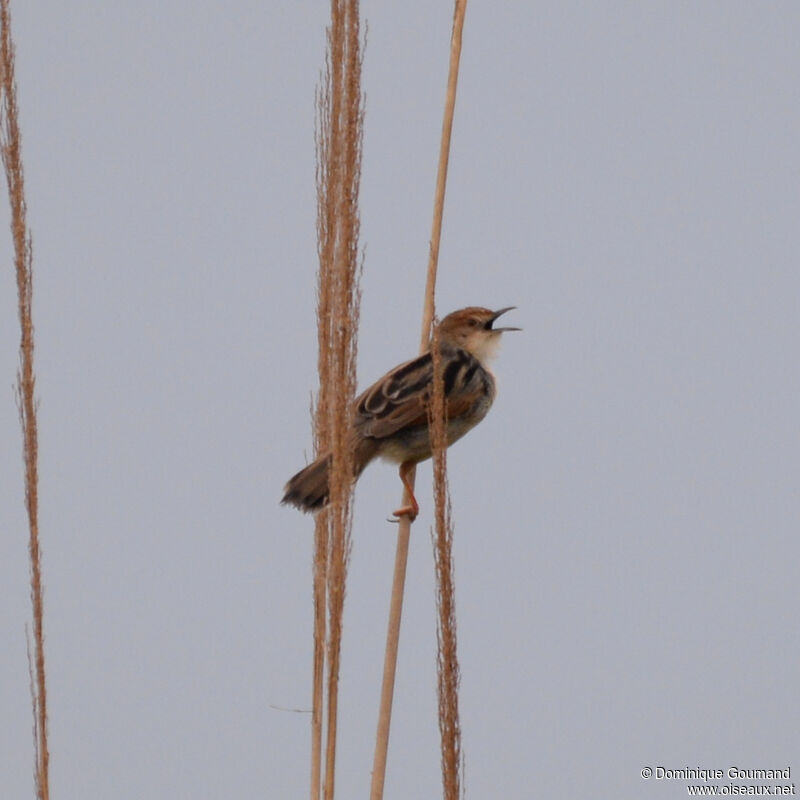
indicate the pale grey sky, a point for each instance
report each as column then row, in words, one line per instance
column 628, row 175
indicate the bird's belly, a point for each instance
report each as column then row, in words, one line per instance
column 414, row 444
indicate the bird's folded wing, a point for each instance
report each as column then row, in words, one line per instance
column 400, row 398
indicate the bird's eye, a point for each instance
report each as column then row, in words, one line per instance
column 473, row 323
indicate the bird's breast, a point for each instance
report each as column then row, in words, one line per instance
column 414, row 443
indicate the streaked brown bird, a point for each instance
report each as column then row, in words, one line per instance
column 391, row 417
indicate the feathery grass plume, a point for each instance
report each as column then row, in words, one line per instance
column 11, row 149
column 404, row 523
column 448, row 675
column 339, row 136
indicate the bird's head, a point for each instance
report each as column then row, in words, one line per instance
column 472, row 330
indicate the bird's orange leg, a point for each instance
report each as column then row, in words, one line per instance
column 412, row 509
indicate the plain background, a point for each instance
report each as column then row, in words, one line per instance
column 628, row 175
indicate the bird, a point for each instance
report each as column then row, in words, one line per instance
column 390, row 418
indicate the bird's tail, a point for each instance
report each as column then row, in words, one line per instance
column 310, row 488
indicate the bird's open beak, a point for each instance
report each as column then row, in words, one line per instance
column 496, row 315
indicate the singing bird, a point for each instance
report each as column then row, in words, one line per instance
column 390, row 418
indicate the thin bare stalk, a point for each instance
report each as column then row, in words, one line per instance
column 11, row 147
column 404, row 525
column 320, row 633
column 390, row 657
column 441, row 175
column 339, row 140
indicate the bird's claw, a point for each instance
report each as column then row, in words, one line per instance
column 410, row 511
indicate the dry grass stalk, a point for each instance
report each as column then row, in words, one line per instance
column 339, row 141
column 459, row 13
column 404, row 525
column 11, row 147
column 447, row 660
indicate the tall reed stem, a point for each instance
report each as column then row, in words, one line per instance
column 11, row 147
column 448, row 674
column 339, row 138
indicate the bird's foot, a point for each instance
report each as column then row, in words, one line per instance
column 411, row 511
